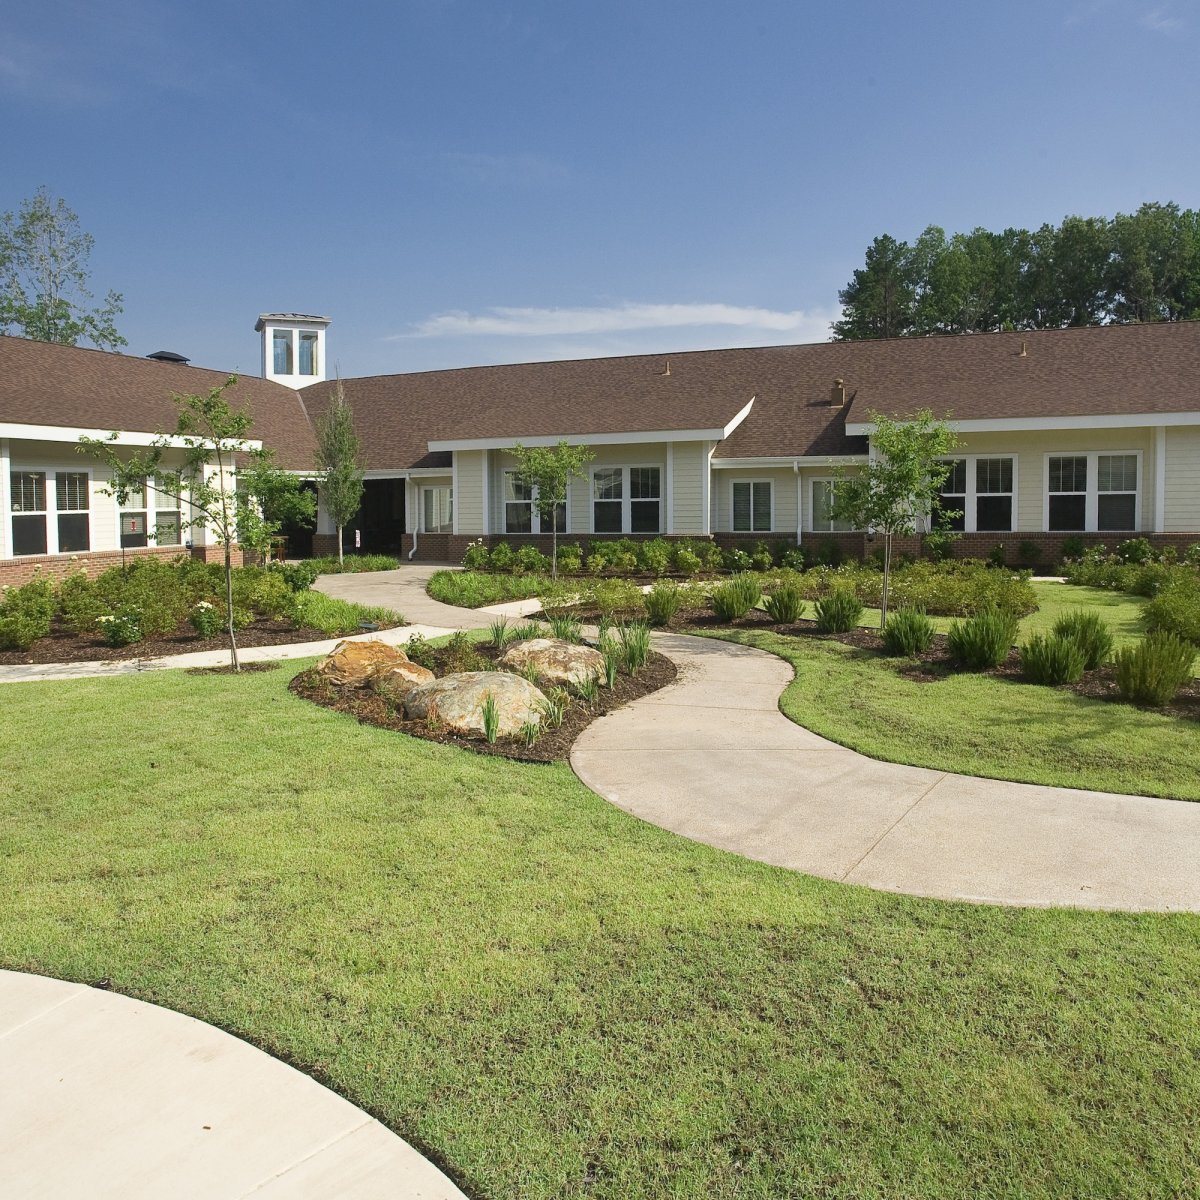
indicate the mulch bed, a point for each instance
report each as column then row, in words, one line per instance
column 64, row 646
column 553, row 745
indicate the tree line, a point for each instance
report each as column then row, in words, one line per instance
column 1134, row 267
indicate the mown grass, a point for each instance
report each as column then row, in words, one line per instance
column 554, row 999
column 981, row 725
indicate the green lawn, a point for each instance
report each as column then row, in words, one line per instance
column 555, row 999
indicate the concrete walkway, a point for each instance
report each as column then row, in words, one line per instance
column 404, row 591
column 107, row 1097
column 712, row 758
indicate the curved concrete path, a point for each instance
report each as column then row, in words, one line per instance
column 107, row 1097
column 711, row 757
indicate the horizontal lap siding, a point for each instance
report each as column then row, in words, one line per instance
column 1183, row 481
column 689, row 462
column 468, row 500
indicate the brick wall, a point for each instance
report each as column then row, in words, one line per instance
column 1018, row 547
column 57, row 566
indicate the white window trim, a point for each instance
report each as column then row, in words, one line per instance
column 21, row 467
column 1091, row 504
column 535, row 516
column 153, row 507
column 436, row 487
column 751, row 482
column 969, row 516
column 812, row 505
column 624, row 468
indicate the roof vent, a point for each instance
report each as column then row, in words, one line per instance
column 837, row 394
column 169, row 356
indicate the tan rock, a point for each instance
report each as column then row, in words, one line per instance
column 395, row 680
column 352, row 663
column 456, row 702
column 555, row 661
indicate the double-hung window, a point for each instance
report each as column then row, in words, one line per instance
column 950, row 511
column 438, row 510
column 28, row 490
column 1095, row 493
column 976, row 496
column 627, row 500
column 752, row 506
column 167, row 523
column 71, row 497
column 134, row 510
column 521, row 513
column 822, row 507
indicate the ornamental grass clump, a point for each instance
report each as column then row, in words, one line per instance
column 565, row 627
column 1052, row 660
column 839, row 612
column 908, row 632
column 634, row 639
column 662, row 603
column 614, row 656
column 501, row 633
column 733, row 599
column 491, row 718
column 785, row 604
column 1090, row 633
column 984, row 640
column 1153, row 671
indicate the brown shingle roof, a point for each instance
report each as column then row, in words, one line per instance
column 46, row 384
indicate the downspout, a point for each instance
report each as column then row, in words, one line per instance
column 799, row 499
column 416, row 516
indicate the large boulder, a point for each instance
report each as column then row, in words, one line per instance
column 456, row 702
column 555, row 660
column 394, row 681
column 351, row 664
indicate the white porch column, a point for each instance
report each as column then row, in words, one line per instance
column 1160, row 478
column 670, row 487
column 706, row 490
column 799, row 504
column 486, row 492
column 5, row 500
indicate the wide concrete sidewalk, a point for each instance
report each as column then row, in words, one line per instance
column 712, row 758
column 404, row 591
column 107, row 1097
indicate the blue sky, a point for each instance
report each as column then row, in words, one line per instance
column 475, row 181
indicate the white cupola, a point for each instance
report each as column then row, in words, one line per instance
column 293, row 347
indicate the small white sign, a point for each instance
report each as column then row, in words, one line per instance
column 358, row 539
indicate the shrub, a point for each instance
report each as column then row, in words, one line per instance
column 80, row 603
column 908, row 631
column 734, row 599
column 1135, row 550
column 123, row 627
column 459, row 654
column 26, row 614
column 477, row 556
column 531, row 561
column 206, row 619
column 829, row 553
column 1153, row 671
column 997, row 555
column 1073, row 548
column 1089, row 632
column 1176, row 608
column 503, row 557
column 613, row 596
column 1052, row 660
column 736, row 559
column 984, row 640
column 654, row 556
column 618, row 557
column 761, row 557
column 1191, row 555
column 299, row 576
column 793, row 558
column 687, row 561
column 420, row 651
column 264, row 593
column 634, row 640
column 785, row 604
column 839, row 612
column 1150, row 578
column 939, row 544
column 570, row 558
column 1029, row 552
column 662, row 603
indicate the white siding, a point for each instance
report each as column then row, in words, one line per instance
column 1183, row 481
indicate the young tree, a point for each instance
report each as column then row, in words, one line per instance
column 546, row 471
column 44, row 274
column 216, row 452
column 339, row 455
column 898, row 489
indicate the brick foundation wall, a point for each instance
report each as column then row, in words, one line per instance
column 15, row 571
column 1049, row 545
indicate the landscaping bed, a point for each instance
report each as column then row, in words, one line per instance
column 553, row 743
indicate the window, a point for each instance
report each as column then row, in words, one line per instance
column 133, row 519
column 167, row 523
column 627, row 500
column 822, row 502
column 752, row 506
column 308, row 353
column 438, row 510
column 607, row 499
column 281, row 342
column 1116, row 488
column 1067, row 489
column 950, row 512
column 28, row 511
column 520, row 513
column 1096, row 492
column 71, row 497
column 993, row 494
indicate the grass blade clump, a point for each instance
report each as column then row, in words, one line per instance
column 491, row 718
column 839, row 612
column 565, row 627
column 733, row 599
column 908, row 632
column 984, row 640
column 1090, row 633
column 662, row 603
column 1052, row 660
column 785, row 604
column 634, row 639
column 1153, row 671
column 501, row 633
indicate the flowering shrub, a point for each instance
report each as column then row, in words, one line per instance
column 206, row 619
column 477, row 556
column 123, row 627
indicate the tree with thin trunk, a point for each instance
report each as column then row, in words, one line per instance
column 339, row 455
column 546, row 472
column 228, row 485
column 897, row 491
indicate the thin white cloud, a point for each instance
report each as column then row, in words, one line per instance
column 573, row 322
column 1161, row 20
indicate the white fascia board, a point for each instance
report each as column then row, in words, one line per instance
column 57, row 433
column 787, row 460
column 590, row 439
column 737, row 420
column 1033, row 424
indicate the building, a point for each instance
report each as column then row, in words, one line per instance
column 1090, row 432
